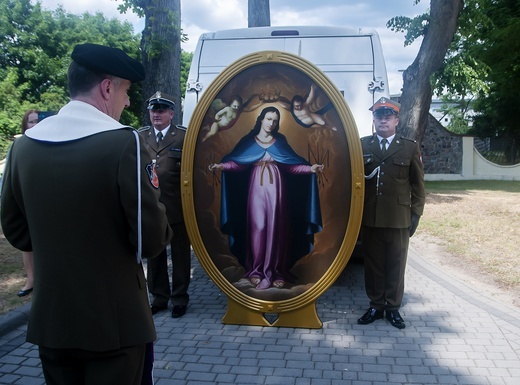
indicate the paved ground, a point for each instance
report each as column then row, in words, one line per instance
column 453, row 336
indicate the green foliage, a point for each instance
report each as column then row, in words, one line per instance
column 133, row 5
column 496, row 107
column 154, row 44
column 459, row 110
column 186, row 58
column 412, row 28
column 481, row 70
column 35, row 48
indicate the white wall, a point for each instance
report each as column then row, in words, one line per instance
column 476, row 167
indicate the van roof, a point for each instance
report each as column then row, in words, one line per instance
column 352, row 58
column 285, row 32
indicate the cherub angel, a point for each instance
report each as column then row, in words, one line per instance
column 227, row 115
column 301, row 111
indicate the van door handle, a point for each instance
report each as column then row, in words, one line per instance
column 192, row 85
column 376, row 84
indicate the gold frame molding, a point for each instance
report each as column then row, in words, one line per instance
column 299, row 311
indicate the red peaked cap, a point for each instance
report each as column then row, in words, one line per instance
column 385, row 106
column 108, row 60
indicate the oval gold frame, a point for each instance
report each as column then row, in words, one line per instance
column 243, row 309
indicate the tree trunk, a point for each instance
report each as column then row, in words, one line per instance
column 258, row 14
column 417, row 91
column 161, row 52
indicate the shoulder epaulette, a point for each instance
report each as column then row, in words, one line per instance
column 143, row 128
column 409, row 139
column 181, row 127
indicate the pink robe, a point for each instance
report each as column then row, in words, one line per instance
column 268, row 243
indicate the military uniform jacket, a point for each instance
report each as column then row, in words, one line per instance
column 167, row 154
column 70, row 194
column 394, row 183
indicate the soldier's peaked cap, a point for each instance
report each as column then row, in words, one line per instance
column 108, row 60
column 385, row 106
column 160, row 100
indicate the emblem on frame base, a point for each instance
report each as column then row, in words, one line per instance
column 302, row 317
column 322, row 232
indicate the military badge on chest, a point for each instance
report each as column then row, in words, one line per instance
column 152, row 174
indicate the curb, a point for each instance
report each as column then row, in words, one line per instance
column 14, row 319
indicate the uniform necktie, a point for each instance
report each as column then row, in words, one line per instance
column 159, row 136
column 384, row 141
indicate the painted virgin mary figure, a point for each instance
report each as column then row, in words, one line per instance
column 270, row 206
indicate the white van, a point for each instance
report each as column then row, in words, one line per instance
column 351, row 58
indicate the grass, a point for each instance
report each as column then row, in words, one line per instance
column 12, row 277
column 476, row 185
column 476, row 222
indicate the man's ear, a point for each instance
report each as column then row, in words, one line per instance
column 106, row 87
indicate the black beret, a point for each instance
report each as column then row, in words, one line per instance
column 160, row 100
column 108, row 60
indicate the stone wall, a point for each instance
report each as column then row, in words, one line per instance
column 441, row 149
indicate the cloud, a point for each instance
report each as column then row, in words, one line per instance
column 211, row 15
column 200, row 16
column 374, row 14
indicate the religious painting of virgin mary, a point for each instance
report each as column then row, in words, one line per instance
column 273, row 181
column 270, row 206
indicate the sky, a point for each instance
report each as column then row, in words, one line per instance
column 200, row 16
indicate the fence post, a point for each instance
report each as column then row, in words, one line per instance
column 467, row 157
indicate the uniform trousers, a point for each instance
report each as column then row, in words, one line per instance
column 157, row 270
column 386, row 251
column 82, row 367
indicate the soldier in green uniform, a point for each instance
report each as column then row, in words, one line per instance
column 164, row 142
column 394, row 202
column 77, row 194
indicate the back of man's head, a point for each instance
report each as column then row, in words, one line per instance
column 81, row 80
column 91, row 63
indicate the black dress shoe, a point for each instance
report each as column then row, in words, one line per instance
column 178, row 311
column 370, row 316
column 395, row 319
column 156, row 309
column 23, row 293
